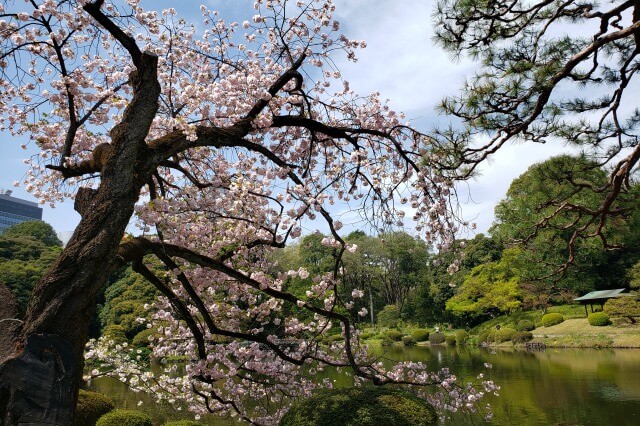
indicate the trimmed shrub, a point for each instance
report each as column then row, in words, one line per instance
column 522, row 337
column 525, row 325
column 503, row 335
column 552, row 319
column 386, row 341
column 461, row 337
column 361, row 406
column 625, row 307
column 420, row 334
column 91, row 406
column 184, row 423
column 408, row 341
column 394, row 335
column 437, row 338
column 367, row 335
column 450, row 339
column 125, row 418
column 389, row 316
column 599, row 319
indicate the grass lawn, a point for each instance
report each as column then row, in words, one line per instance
column 578, row 333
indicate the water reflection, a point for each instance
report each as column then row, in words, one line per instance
column 552, row 387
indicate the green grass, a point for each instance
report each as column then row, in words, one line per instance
column 578, row 333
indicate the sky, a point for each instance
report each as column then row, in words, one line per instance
column 400, row 61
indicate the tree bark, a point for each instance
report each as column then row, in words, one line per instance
column 39, row 384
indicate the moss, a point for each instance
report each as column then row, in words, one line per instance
column 91, row 406
column 551, row 319
column 361, row 406
column 599, row 319
column 125, row 418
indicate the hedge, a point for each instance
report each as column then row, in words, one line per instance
column 394, row 335
column 420, row 334
column 599, row 319
column 437, row 338
column 361, row 406
column 522, row 337
column 125, row 418
column 525, row 325
column 450, row 339
column 408, row 341
column 461, row 337
column 91, row 406
column 552, row 319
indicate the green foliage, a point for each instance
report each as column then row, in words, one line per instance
column 552, row 319
column 489, row 289
column 525, row 325
column 633, row 274
column 91, row 406
column 451, row 340
column 394, row 335
column 461, row 337
column 389, row 316
column 420, row 334
column 26, row 252
column 599, row 319
column 115, row 332
column 408, row 341
column 125, row 302
column 505, row 334
column 37, row 229
column 361, row 406
column 125, row 418
column 141, row 340
column 437, row 338
column 626, row 306
column 184, row 423
column 522, row 337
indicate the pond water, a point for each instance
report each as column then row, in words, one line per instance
column 552, row 387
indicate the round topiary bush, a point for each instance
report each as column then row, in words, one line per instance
column 420, row 334
column 503, row 335
column 125, row 418
column 361, row 406
column 525, row 325
column 552, row 319
column 522, row 337
column 437, row 338
column 184, row 423
column 461, row 337
column 450, row 339
column 91, row 406
column 408, row 341
column 484, row 337
column 599, row 319
column 394, row 335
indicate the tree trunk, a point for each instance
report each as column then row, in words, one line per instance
column 39, row 384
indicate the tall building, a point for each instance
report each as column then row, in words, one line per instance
column 14, row 210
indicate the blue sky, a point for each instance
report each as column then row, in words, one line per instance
column 400, row 61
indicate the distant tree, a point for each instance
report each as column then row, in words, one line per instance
column 533, row 216
column 490, row 289
column 556, row 72
column 37, row 229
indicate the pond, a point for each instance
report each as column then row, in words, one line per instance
column 552, row 387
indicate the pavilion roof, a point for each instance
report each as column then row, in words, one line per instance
column 601, row 294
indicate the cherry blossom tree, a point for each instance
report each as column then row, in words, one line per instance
column 221, row 141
